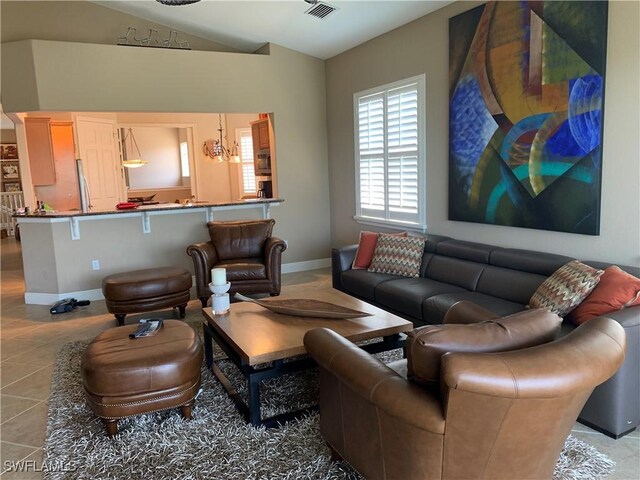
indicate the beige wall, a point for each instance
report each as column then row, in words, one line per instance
column 80, row 21
column 422, row 47
column 7, row 136
column 88, row 77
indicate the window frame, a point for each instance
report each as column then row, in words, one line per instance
column 246, row 131
column 420, row 225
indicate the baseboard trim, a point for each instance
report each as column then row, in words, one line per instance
column 306, row 265
column 31, row 298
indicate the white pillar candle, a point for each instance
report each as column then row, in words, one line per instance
column 219, row 276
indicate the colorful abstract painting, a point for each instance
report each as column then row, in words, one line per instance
column 526, row 103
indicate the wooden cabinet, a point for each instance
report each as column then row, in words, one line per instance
column 260, row 134
column 41, row 163
column 261, row 147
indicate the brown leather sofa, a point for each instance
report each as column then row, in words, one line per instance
column 246, row 249
column 491, row 415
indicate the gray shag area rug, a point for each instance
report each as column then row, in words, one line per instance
column 216, row 443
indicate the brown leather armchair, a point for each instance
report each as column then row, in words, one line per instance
column 251, row 256
column 493, row 415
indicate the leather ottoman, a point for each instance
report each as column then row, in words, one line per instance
column 124, row 376
column 146, row 290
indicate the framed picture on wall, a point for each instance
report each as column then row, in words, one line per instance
column 10, row 171
column 8, row 151
column 11, row 186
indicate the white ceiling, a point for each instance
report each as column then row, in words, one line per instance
column 249, row 24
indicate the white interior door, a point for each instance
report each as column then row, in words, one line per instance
column 100, row 160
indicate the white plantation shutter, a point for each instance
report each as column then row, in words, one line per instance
column 248, row 180
column 389, row 154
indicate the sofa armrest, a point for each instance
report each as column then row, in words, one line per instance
column 465, row 312
column 522, row 373
column 273, row 249
column 204, row 257
column 341, row 259
column 628, row 317
column 373, row 382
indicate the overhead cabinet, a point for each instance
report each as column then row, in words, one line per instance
column 40, row 148
column 260, row 133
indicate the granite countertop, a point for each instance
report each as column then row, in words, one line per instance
column 150, row 208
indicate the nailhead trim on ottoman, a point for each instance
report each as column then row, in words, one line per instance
column 124, row 377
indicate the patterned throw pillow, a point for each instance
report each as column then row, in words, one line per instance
column 566, row 288
column 398, row 255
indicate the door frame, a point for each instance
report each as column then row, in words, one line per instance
column 191, row 136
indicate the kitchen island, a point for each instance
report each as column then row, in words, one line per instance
column 67, row 254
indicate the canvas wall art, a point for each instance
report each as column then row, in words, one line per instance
column 526, row 114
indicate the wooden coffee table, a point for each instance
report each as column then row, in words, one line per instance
column 251, row 336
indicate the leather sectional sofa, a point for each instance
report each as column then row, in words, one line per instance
column 501, row 280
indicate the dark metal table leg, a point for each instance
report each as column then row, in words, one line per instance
column 208, row 346
column 254, row 400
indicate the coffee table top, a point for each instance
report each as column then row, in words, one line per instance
column 259, row 335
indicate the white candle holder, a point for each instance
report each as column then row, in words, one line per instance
column 220, row 298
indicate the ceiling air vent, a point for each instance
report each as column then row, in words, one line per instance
column 321, row 10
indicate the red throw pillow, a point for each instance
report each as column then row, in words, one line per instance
column 366, row 247
column 617, row 290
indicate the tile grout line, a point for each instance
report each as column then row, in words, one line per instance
column 24, row 458
column 22, row 378
column 24, row 411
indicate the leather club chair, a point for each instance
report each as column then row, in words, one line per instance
column 493, row 414
column 246, row 249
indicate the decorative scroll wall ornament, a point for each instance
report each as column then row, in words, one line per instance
column 153, row 40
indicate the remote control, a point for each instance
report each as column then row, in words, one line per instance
column 141, row 330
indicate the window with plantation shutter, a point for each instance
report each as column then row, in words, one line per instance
column 390, row 159
column 247, row 171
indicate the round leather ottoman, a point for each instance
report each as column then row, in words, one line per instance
column 146, row 290
column 124, row 376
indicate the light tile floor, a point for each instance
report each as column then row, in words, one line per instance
column 30, row 338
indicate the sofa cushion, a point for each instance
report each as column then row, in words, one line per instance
column 461, row 273
column 363, row 283
column 566, row 288
column 406, row 295
column 241, row 239
column 616, row 290
column 247, row 269
column 398, row 255
column 474, row 252
column 528, row 260
column 434, row 308
column 426, row 345
column 512, row 285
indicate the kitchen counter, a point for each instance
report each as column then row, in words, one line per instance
column 155, row 208
column 146, row 211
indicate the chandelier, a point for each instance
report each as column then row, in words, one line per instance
column 137, row 161
column 177, row 2
column 217, row 151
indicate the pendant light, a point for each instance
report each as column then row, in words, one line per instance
column 136, row 162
